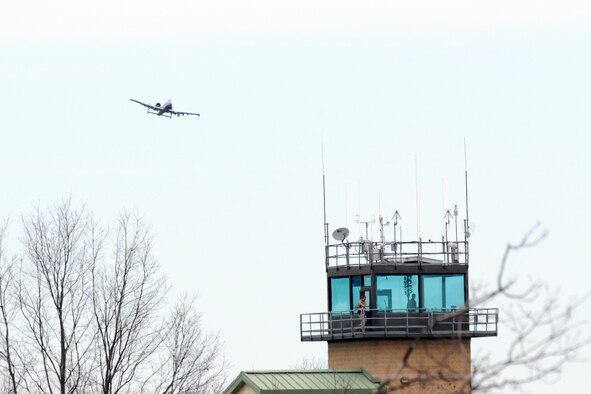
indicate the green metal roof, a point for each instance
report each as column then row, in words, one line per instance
column 355, row 381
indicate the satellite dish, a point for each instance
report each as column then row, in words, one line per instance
column 340, row 234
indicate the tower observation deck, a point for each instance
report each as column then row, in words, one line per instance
column 417, row 288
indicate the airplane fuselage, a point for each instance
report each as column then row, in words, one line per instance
column 166, row 107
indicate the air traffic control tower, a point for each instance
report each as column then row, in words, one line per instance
column 417, row 308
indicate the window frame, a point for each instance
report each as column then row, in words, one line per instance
column 443, row 290
column 416, row 290
column 365, row 280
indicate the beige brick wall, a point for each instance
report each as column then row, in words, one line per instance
column 245, row 390
column 448, row 358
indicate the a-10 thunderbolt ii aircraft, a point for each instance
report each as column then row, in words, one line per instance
column 163, row 110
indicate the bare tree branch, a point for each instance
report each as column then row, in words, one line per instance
column 190, row 360
column 544, row 338
column 8, row 308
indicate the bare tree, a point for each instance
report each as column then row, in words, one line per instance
column 544, row 337
column 82, row 311
column 127, row 295
column 190, row 358
column 312, row 363
column 54, row 297
column 8, row 310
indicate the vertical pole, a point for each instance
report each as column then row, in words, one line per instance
column 456, row 220
column 445, row 249
column 466, row 182
column 324, row 198
column 347, row 253
column 324, row 206
column 417, row 199
column 443, row 197
column 467, row 226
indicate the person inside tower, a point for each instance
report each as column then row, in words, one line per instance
column 360, row 306
column 412, row 304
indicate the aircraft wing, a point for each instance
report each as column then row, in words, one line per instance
column 177, row 113
column 152, row 107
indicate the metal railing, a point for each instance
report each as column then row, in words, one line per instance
column 359, row 253
column 399, row 323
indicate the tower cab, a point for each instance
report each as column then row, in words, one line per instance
column 416, row 294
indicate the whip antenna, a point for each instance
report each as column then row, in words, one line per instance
column 467, row 227
column 324, row 196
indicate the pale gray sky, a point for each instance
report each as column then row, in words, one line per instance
column 234, row 197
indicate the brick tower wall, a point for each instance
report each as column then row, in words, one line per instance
column 435, row 366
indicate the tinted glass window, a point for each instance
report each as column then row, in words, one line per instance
column 367, row 282
column 340, row 294
column 443, row 291
column 356, row 288
column 397, row 291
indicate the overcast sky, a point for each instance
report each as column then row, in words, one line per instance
column 234, row 197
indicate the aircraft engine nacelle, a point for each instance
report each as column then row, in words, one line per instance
column 158, row 104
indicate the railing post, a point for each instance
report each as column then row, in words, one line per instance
column 407, row 330
column 359, row 253
column 420, row 253
column 496, row 320
column 347, row 253
column 467, row 253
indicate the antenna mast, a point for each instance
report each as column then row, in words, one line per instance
column 381, row 218
column 395, row 218
column 367, row 223
column 324, row 196
column 467, row 226
column 418, row 198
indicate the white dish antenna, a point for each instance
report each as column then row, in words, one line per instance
column 340, row 234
